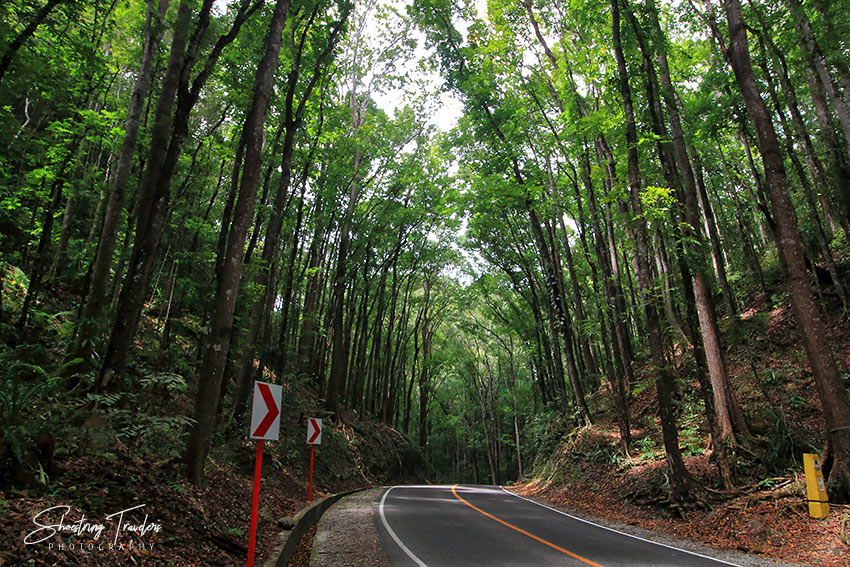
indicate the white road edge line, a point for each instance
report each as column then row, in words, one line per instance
column 618, row 531
column 393, row 535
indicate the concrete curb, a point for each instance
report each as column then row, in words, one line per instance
column 304, row 520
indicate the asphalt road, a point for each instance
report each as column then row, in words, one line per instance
column 466, row 526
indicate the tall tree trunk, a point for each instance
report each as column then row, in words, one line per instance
column 680, row 479
column 823, row 90
column 149, row 206
column 64, row 236
column 624, row 376
column 292, row 119
column 161, row 166
column 310, row 313
column 425, row 373
column 730, row 418
column 589, row 361
column 557, row 299
column 812, row 51
column 99, row 274
column 50, row 211
column 227, row 287
column 817, row 225
column 831, row 390
column 710, row 221
column 339, row 356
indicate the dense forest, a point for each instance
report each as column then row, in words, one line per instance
column 198, row 194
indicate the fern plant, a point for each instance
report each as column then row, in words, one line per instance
column 23, row 409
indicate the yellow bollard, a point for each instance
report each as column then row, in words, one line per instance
column 815, row 488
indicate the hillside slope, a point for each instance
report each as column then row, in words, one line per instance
column 199, row 525
column 767, row 513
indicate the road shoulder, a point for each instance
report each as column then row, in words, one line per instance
column 347, row 535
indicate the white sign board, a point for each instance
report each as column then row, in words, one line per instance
column 314, row 431
column 265, row 412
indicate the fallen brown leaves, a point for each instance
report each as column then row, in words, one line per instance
column 199, row 525
column 778, row 528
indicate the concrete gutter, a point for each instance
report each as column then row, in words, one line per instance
column 304, row 520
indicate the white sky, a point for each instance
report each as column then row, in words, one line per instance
column 448, row 109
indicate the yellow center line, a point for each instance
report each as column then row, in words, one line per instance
column 523, row 532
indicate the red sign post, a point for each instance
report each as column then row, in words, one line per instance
column 265, row 425
column 314, row 437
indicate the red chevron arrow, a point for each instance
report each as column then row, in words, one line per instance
column 271, row 406
column 316, row 431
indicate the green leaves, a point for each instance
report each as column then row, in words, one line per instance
column 657, row 202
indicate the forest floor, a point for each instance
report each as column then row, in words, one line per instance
column 119, row 451
column 198, row 526
column 766, row 514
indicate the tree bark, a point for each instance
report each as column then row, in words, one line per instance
column 681, row 482
column 710, row 221
column 227, row 287
column 100, row 268
column 831, row 390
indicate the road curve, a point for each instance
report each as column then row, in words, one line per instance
column 466, row 526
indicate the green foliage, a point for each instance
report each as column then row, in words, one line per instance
column 14, row 287
column 605, row 455
column 692, row 441
column 641, row 386
column 657, row 202
column 119, row 423
column 30, row 398
column 647, row 447
column 779, row 299
column 23, row 405
column 168, row 381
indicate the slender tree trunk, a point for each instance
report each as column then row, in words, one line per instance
column 831, row 390
column 339, row 356
column 589, row 361
column 680, row 479
column 623, row 376
column 227, row 287
column 50, row 211
column 816, row 60
column 161, row 166
column 425, row 373
column 148, row 212
column 25, row 34
column 310, row 313
column 710, row 221
column 39, row 266
column 558, row 306
column 730, row 418
column 99, row 278
column 817, row 225
column 292, row 119
column 64, row 237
